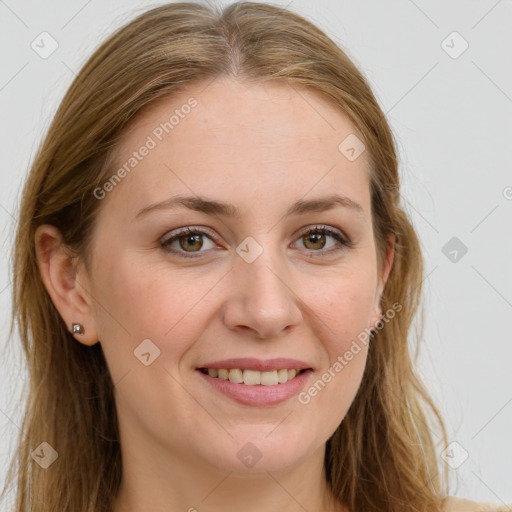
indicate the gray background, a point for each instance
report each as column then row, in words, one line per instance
column 451, row 115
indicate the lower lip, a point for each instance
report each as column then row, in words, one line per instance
column 258, row 395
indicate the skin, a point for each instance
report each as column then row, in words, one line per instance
column 261, row 148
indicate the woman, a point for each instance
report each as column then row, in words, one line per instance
column 214, row 282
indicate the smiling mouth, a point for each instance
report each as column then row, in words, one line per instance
column 253, row 377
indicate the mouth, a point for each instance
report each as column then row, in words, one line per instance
column 255, row 388
column 254, row 377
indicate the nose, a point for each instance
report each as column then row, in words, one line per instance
column 263, row 300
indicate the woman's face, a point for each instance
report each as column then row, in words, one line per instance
column 258, row 285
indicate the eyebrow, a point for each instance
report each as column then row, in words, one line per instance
column 213, row 207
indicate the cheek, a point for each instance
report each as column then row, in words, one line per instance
column 345, row 306
column 141, row 300
column 343, row 311
column 333, row 390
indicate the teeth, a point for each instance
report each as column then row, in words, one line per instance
column 236, row 376
column 291, row 374
column 282, row 376
column 269, row 378
column 253, row 377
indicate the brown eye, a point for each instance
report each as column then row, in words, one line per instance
column 192, row 242
column 316, row 241
column 189, row 241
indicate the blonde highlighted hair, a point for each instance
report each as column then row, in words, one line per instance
column 383, row 456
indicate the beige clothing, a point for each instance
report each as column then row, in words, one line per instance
column 453, row 504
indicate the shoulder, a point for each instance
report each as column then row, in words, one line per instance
column 452, row 504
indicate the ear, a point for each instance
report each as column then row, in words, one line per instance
column 383, row 278
column 62, row 279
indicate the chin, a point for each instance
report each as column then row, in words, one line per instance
column 258, row 454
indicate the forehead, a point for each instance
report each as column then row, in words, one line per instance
column 248, row 140
column 226, row 110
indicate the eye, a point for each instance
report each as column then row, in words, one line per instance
column 189, row 241
column 315, row 239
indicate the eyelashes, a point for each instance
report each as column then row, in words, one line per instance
column 190, row 236
column 193, row 238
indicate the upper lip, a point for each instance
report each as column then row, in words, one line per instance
column 262, row 365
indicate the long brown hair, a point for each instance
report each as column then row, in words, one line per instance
column 383, row 457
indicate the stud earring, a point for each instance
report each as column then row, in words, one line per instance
column 77, row 329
